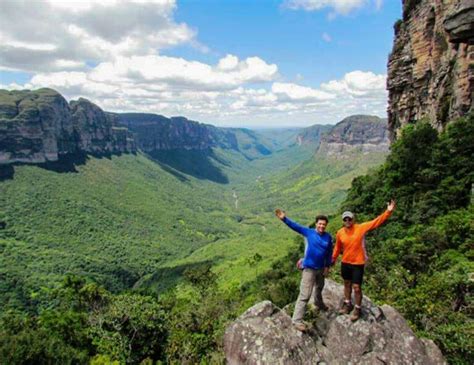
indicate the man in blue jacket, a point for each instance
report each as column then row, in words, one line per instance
column 315, row 265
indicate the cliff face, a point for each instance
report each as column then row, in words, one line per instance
column 264, row 335
column 357, row 133
column 156, row 133
column 312, row 135
column 431, row 68
column 39, row 126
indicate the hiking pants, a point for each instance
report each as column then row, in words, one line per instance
column 312, row 281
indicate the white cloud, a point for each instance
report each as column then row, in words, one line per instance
column 229, row 62
column 296, row 92
column 223, row 97
column 358, row 84
column 178, row 73
column 76, row 32
column 343, row 7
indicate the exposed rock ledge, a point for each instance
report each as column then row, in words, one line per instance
column 264, row 335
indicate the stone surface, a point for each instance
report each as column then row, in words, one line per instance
column 264, row 335
column 430, row 69
column 40, row 126
column 357, row 133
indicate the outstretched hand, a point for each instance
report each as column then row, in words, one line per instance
column 280, row 213
column 391, row 205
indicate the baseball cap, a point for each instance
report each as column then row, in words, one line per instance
column 347, row 214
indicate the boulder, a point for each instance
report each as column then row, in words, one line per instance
column 264, row 335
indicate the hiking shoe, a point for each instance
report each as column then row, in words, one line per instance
column 322, row 307
column 299, row 326
column 346, row 308
column 355, row 314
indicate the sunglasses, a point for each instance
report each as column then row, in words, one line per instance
column 347, row 219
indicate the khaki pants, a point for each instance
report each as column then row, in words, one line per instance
column 312, row 281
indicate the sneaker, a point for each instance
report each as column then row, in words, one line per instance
column 346, row 308
column 300, row 326
column 355, row 314
column 322, row 307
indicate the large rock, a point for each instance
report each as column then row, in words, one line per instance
column 34, row 126
column 430, row 70
column 264, row 335
column 40, row 126
column 357, row 133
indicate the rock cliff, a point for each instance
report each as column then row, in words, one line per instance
column 40, row 126
column 156, row 132
column 430, row 69
column 357, row 133
column 264, row 335
column 313, row 134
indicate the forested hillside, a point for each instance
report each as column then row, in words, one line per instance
column 88, row 239
column 422, row 262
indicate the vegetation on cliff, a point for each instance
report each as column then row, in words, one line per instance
column 422, row 261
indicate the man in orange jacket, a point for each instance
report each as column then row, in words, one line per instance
column 351, row 240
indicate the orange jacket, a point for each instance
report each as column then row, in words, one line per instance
column 352, row 241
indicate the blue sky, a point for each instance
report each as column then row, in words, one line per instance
column 229, row 63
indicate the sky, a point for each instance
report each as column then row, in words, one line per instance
column 240, row 63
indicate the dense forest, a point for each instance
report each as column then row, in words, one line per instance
column 421, row 263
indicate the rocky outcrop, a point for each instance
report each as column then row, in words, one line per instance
column 430, row 69
column 264, row 335
column 356, row 134
column 313, row 134
column 156, row 133
column 40, row 126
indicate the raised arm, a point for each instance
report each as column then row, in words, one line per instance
column 293, row 225
column 377, row 222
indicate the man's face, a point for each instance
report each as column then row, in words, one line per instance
column 321, row 226
column 348, row 222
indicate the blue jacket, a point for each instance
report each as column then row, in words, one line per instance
column 318, row 250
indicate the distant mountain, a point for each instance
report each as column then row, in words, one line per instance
column 357, row 133
column 312, row 135
column 155, row 132
column 40, row 126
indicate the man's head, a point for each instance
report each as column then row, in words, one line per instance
column 348, row 219
column 321, row 223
